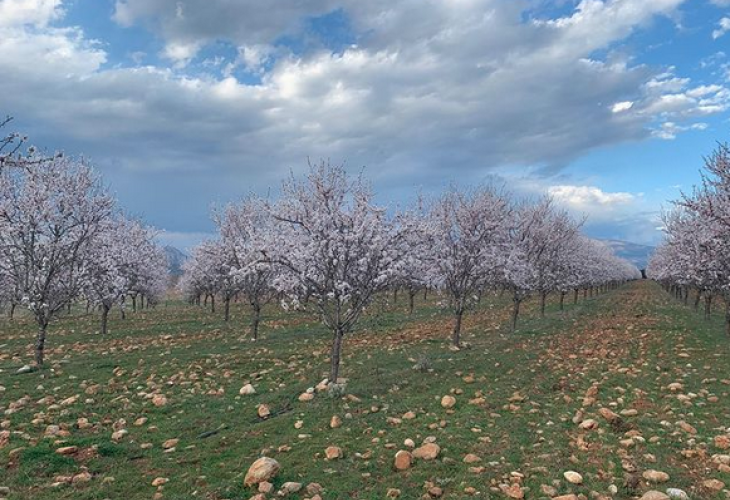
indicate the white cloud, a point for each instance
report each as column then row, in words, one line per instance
column 724, row 27
column 34, row 12
column 431, row 91
column 589, row 198
column 622, row 106
column 670, row 130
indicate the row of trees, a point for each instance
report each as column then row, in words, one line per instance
column 63, row 239
column 326, row 246
column 695, row 256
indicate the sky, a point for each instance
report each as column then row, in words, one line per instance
column 607, row 105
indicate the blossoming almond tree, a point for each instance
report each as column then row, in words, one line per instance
column 243, row 228
column 466, row 234
column 336, row 249
column 202, row 274
column 49, row 215
column 123, row 259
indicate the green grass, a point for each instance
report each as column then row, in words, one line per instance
column 628, row 341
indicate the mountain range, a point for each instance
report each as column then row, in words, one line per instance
column 638, row 255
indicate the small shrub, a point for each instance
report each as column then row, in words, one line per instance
column 336, row 391
column 423, row 364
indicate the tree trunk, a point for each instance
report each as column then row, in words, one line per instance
column 104, row 318
column 697, row 300
column 134, row 303
column 122, row 312
column 40, row 344
column 575, row 296
column 411, row 300
column 212, row 303
column 12, row 310
column 456, row 335
column 255, row 319
column 543, row 301
column 515, row 311
column 708, row 305
column 562, row 300
column 727, row 316
column 686, row 296
column 425, row 293
column 338, row 334
column 395, row 296
column 227, row 309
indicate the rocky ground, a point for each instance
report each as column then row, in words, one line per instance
column 625, row 395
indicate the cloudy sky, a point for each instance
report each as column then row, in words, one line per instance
column 608, row 105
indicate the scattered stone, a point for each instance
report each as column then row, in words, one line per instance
column 713, row 484
column 655, row 476
column 335, row 422
column 314, row 489
column 306, row 396
column 471, row 459
column 722, row 442
column 609, row 415
column 333, row 452
column 170, row 443
column 589, row 424
column 83, row 477
column 403, row 460
column 25, row 369
column 160, row 481
column 290, row 487
column 247, row 390
column 263, row 469
column 428, row 451
column 51, row 431
column 573, row 477
column 264, row 411
column 67, row 450
column 266, row 487
column 512, row 491
column 119, row 435
column 159, row 400
column 448, row 402
column 687, row 427
column 677, row 494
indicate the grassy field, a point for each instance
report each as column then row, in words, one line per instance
column 634, row 350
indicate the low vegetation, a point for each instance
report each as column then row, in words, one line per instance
column 623, row 393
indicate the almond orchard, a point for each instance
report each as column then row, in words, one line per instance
column 474, row 344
